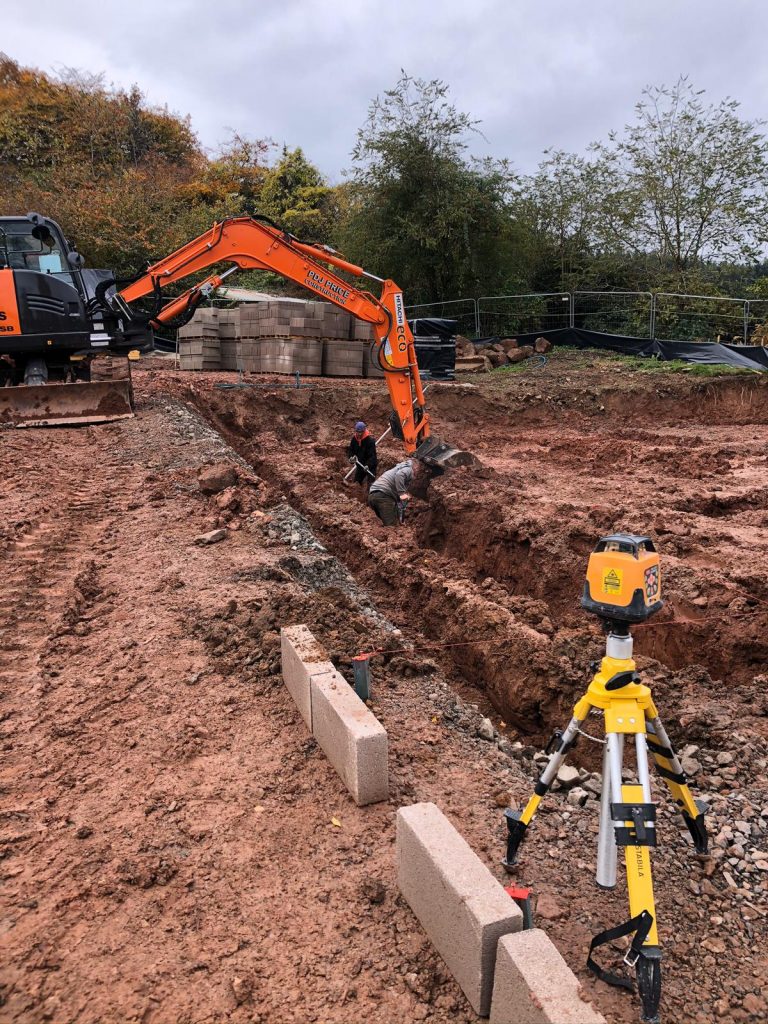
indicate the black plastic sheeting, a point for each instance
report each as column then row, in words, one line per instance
column 434, row 327
column 748, row 357
column 436, row 357
column 434, row 339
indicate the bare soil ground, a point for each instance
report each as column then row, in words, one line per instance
column 168, row 851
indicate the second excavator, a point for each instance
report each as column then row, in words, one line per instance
column 256, row 243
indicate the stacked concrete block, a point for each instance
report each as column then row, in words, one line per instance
column 306, row 327
column 459, row 903
column 209, row 341
column 351, row 737
column 342, row 358
column 534, row 985
column 249, row 352
column 269, row 319
column 229, row 324
column 229, row 338
column 279, row 336
column 371, row 366
column 204, row 324
column 360, row 330
column 292, row 355
column 230, row 353
column 199, row 347
column 199, row 354
column 336, row 323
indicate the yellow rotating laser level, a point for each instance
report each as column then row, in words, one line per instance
column 623, row 579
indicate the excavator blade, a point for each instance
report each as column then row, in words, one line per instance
column 53, row 405
column 435, row 452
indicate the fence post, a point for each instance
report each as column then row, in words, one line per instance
column 746, row 321
column 571, row 309
column 477, row 318
column 653, row 316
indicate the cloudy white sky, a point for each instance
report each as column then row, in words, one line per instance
column 536, row 73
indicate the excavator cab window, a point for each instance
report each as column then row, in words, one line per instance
column 27, row 247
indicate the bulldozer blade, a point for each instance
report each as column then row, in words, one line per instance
column 51, row 405
column 434, row 452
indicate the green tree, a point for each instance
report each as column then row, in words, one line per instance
column 685, row 184
column 557, row 206
column 298, row 198
column 420, row 211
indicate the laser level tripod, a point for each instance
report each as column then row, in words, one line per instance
column 623, row 587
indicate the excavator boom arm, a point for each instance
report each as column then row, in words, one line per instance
column 251, row 244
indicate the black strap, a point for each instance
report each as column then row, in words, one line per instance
column 641, row 926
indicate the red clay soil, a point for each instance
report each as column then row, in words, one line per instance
column 168, row 851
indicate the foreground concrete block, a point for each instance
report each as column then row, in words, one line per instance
column 303, row 658
column 534, row 985
column 459, row 903
column 353, row 739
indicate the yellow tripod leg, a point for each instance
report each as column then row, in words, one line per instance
column 644, row 955
column 559, row 744
column 639, row 877
column 671, row 770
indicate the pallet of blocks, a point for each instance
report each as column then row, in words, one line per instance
column 270, row 319
column 282, row 336
column 199, row 346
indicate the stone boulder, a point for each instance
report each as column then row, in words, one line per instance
column 216, row 478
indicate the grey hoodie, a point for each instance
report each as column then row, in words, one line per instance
column 394, row 482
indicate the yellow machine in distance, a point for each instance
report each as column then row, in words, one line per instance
column 623, row 579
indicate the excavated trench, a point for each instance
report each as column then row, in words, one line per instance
column 493, row 567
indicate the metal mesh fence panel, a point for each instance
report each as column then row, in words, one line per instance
column 462, row 310
column 504, row 316
column 699, row 318
column 625, row 313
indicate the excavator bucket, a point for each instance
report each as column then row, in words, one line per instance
column 63, row 404
column 434, row 452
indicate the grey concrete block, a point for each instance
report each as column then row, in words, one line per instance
column 534, row 985
column 302, row 659
column 461, row 906
column 351, row 736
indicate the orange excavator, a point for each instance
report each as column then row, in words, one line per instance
column 256, row 243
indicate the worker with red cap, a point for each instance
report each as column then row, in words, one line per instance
column 362, row 453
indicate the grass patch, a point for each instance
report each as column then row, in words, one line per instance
column 591, row 358
column 650, row 365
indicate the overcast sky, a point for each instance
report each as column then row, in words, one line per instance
column 536, row 73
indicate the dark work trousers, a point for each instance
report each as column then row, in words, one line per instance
column 384, row 507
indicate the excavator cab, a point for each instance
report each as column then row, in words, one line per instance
column 51, row 329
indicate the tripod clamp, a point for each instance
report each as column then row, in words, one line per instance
column 622, row 679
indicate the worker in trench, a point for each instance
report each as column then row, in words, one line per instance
column 390, row 494
column 361, row 452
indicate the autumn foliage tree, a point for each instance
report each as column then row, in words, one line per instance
column 129, row 182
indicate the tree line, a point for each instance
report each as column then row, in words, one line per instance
column 676, row 200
